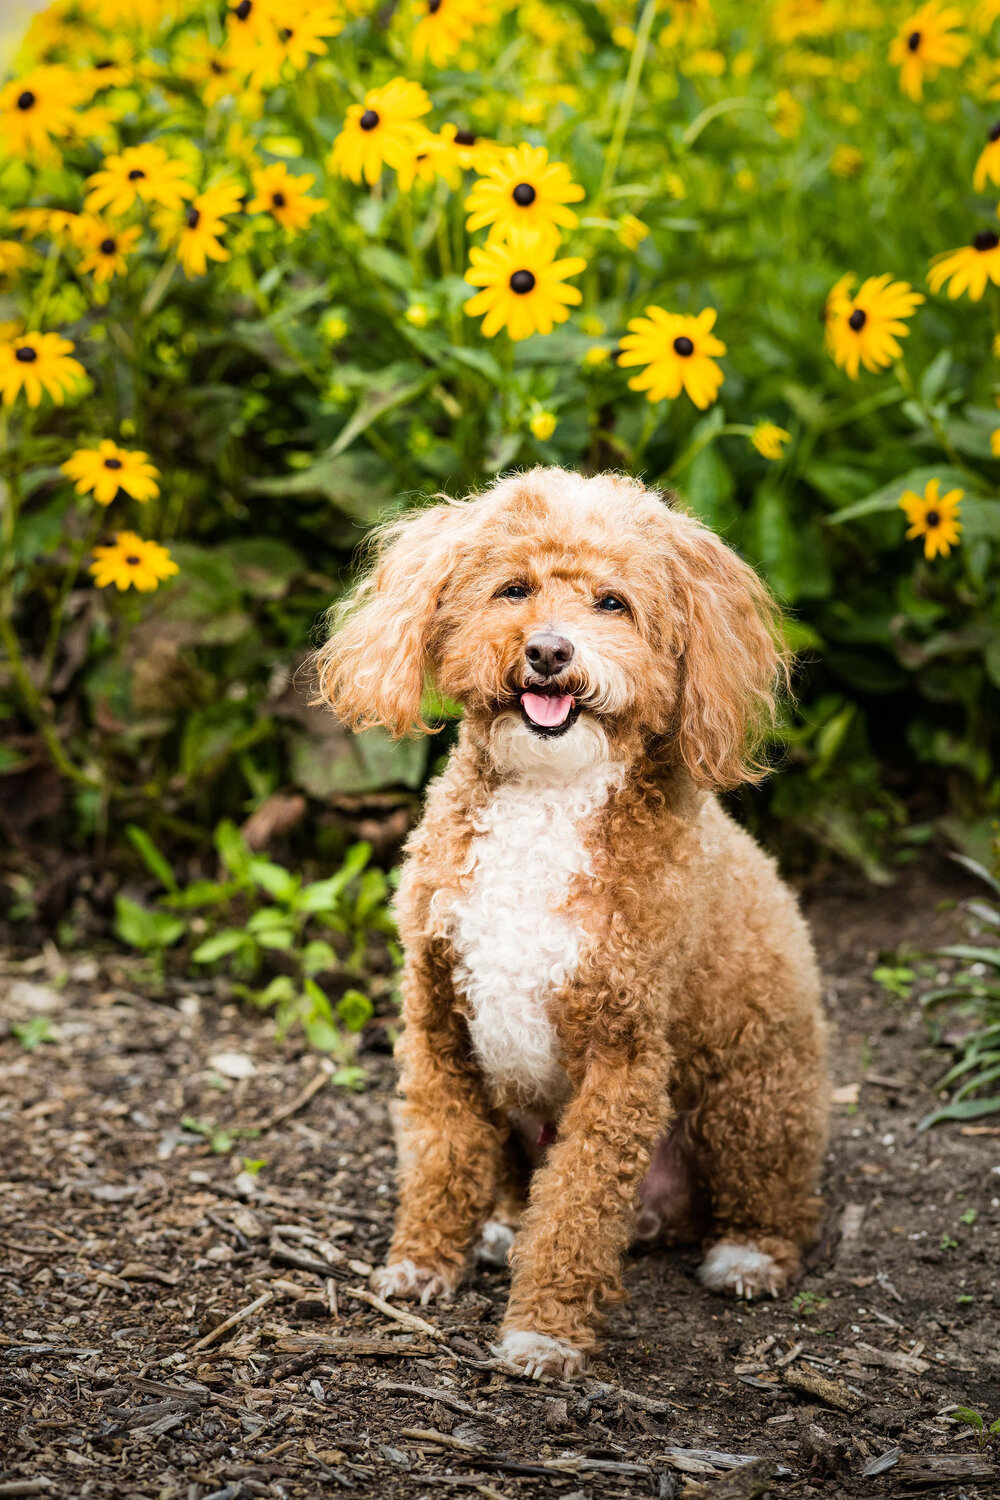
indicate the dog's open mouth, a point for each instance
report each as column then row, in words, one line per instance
column 547, row 711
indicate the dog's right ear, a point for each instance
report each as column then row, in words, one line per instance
column 373, row 668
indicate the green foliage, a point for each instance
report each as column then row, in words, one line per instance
column 318, row 376
column 970, row 1418
column 33, row 1033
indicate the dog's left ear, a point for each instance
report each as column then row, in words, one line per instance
column 732, row 664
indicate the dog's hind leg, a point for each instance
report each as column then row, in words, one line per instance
column 760, row 1133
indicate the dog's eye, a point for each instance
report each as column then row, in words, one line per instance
column 611, row 605
column 513, row 591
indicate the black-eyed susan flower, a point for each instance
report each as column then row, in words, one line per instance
column 107, row 469
column 985, row 15
column 46, row 223
column 865, row 328
column 211, row 67
column 926, row 42
column 524, row 288
column 934, row 517
column 679, row 353
column 988, row 165
column 444, row 27
column 787, row 114
column 36, row 110
column 145, row 174
column 13, row 259
column 197, row 229
column 846, row 161
column 523, row 190
column 632, row 231
column 39, row 364
column 105, row 247
column 969, row 268
column 769, row 440
column 381, row 131
column 305, row 28
column 131, row 563
column 284, row 197
column 472, row 152
column 427, row 158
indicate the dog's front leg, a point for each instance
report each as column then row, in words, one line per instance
column 449, row 1144
column 567, row 1258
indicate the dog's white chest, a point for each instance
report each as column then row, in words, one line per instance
column 514, row 947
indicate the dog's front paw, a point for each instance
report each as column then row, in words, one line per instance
column 536, row 1354
column 494, row 1243
column 403, row 1278
column 742, row 1270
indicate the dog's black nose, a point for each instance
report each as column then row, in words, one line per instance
column 548, row 653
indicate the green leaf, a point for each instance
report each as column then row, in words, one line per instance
column 355, row 1009
column 232, row 849
column 274, row 879
column 976, row 955
column 888, row 497
column 219, row 946
column 339, row 764
column 151, row 857
column 321, row 1033
column 350, row 1078
column 318, row 958
column 32, row 1033
column 359, row 484
column 390, row 387
column 965, row 1109
column 143, row 928
column 975, row 868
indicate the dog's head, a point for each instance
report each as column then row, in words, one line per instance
column 575, row 619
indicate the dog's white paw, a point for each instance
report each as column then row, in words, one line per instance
column 536, row 1354
column 742, row 1270
column 494, row 1244
column 402, row 1278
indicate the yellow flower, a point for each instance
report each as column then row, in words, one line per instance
column 105, row 247
column 426, row 159
column 129, row 562
column 926, row 43
column 524, row 289
column 687, row 18
column 203, row 63
column 679, row 354
column 995, row 442
column 303, row 28
column 934, row 517
column 745, row 180
column 984, row 15
column 596, row 355
column 13, row 259
column 46, row 223
column 38, row 363
column 418, row 314
column 379, row 132
column 846, row 161
column 543, row 424
column 769, row 440
column 473, row 153
column 707, row 62
column 865, row 329
column 445, row 26
column 591, row 326
column 988, row 165
column 196, row 230
column 523, row 190
column 982, row 79
column 624, row 37
column 674, row 184
column 285, row 197
column 969, row 268
column 107, row 469
column 787, row 115
column 139, row 173
column 632, row 231
column 995, row 348
column 37, row 109
column 333, row 328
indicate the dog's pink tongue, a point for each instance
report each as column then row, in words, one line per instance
column 546, row 711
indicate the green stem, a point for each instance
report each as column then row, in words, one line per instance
column 629, row 93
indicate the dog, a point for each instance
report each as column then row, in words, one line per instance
column 612, row 1023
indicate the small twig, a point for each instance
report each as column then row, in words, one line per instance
column 331, row 1297
column 299, row 1102
column 231, row 1322
column 404, row 1319
column 443, row 1440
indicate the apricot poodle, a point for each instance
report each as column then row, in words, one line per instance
column 612, row 1007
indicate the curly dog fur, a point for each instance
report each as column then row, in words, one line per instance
column 612, row 1016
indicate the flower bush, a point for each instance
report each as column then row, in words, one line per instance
column 269, row 269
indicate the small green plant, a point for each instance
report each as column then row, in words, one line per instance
column 948, row 1242
column 33, row 1033
column 898, row 981
column 219, row 1138
column 253, row 1164
column 971, row 1418
column 969, row 1217
column 807, row 1304
column 965, row 1013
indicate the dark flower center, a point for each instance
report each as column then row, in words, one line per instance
column 193, row 217
column 524, row 195
column 112, row 463
column 433, row 6
column 135, row 174
column 932, row 518
column 985, row 240
column 108, row 246
column 858, row 319
column 369, row 119
column 216, row 68
column 26, row 354
column 278, row 200
column 683, row 346
column 522, row 282
column 286, row 34
column 132, row 560
column 913, row 41
column 994, row 134
column 26, row 100
column 464, row 138
column 243, row 9
column 107, row 63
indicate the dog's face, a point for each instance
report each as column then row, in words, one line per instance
column 573, row 618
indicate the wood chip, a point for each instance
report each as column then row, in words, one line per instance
column 935, row 1468
column 432, row 1393
column 231, row 1322
column 300, row 1101
column 332, row 1347
column 887, row 1359
column 828, row 1392
column 441, row 1440
column 747, row 1483
column 396, row 1314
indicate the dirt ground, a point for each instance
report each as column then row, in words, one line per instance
column 127, row 1241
